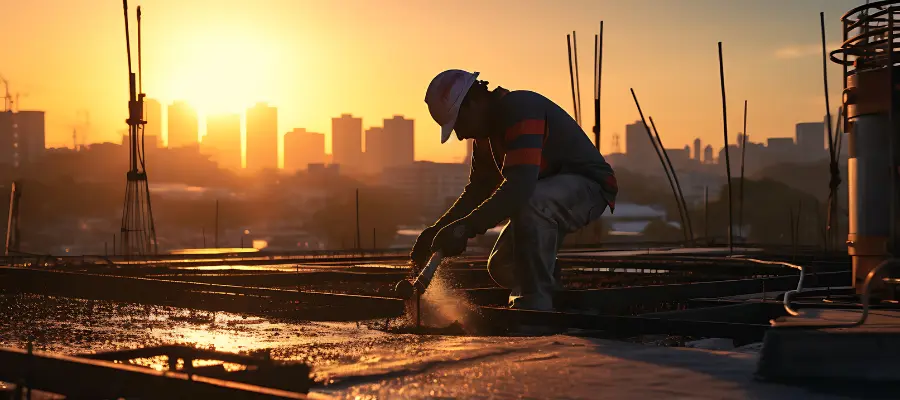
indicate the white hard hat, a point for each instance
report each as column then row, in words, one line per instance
column 444, row 96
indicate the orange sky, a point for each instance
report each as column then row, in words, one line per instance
column 315, row 60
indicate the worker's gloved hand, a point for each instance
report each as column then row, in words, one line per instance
column 421, row 251
column 452, row 239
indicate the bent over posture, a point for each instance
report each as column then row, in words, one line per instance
column 531, row 164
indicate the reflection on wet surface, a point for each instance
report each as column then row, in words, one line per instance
column 75, row 326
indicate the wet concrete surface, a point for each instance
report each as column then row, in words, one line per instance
column 361, row 361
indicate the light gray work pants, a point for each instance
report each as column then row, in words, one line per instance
column 524, row 257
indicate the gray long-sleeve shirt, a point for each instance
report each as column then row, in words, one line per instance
column 534, row 138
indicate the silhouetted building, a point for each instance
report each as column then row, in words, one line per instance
column 708, row 155
column 637, row 144
column 431, row 184
column 399, row 145
column 302, row 149
column 470, row 146
column 183, row 125
column 346, row 141
column 810, row 140
column 785, row 145
column 377, row 150
column 31, row 135
column 679, row 157
column 223, row 140
column 262, row 137
column 697, row 147
column 7, row 139
column 153, row 128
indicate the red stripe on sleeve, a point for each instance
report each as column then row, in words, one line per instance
column 523, row 157
column 524, row 127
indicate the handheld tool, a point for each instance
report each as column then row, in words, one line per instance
column 407, row 288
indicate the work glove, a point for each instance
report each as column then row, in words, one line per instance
column 451, row 241
column 421, row 251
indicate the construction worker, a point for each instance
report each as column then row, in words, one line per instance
column 531, row 164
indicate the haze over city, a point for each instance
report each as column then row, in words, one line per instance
column 251, row 199
column 317, row 60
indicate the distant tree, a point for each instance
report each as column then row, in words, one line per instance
column 381, row 209
column 661, row 231
column 768, row 206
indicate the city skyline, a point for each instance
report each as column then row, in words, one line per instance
column 280, row 61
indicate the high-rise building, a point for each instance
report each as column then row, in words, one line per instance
column 432, row 184
column 697, row 147
column 377, row 149
column 399, row 143
column 183, row 125
column 811, row 139
column 346, row 141
column 470, row 147
column 302, row 148
column 7, row 138
column 740, row 139
column 223, row 140
column 262, row 137
column 31, row 135
column 153, row 128
column 708, row 154
column 637, row 144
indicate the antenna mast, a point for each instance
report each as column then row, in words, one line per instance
column 138, row 231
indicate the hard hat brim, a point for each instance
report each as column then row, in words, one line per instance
column 447, row 129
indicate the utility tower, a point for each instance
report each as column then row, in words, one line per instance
column 138, row 232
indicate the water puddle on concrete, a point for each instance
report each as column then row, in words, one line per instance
column 76, row 326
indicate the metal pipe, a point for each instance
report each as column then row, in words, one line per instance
column 894, row 238
column 661, row 161
column 406, row 289
column 727, row 160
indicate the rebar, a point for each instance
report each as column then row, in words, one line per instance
column 743, row 154
column 727, row 160
column 661, row 161
column 682, row 204
column 572, row 79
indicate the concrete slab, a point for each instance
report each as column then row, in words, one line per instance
column 562, row 367
column 814, row 346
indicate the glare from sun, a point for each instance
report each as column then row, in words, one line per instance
column 225, row 72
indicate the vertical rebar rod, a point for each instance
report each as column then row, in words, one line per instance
column 599, row 85
column 127, row 41
column 727, row 160
column 216, row 236
column 572, row 78
column 577, row 75
column 140, row 71
column 663, row 163
column 358, row 242
column 743, row 158
column 680, row 198
column 596, row 128
column 832, row 164
column 706, row 212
